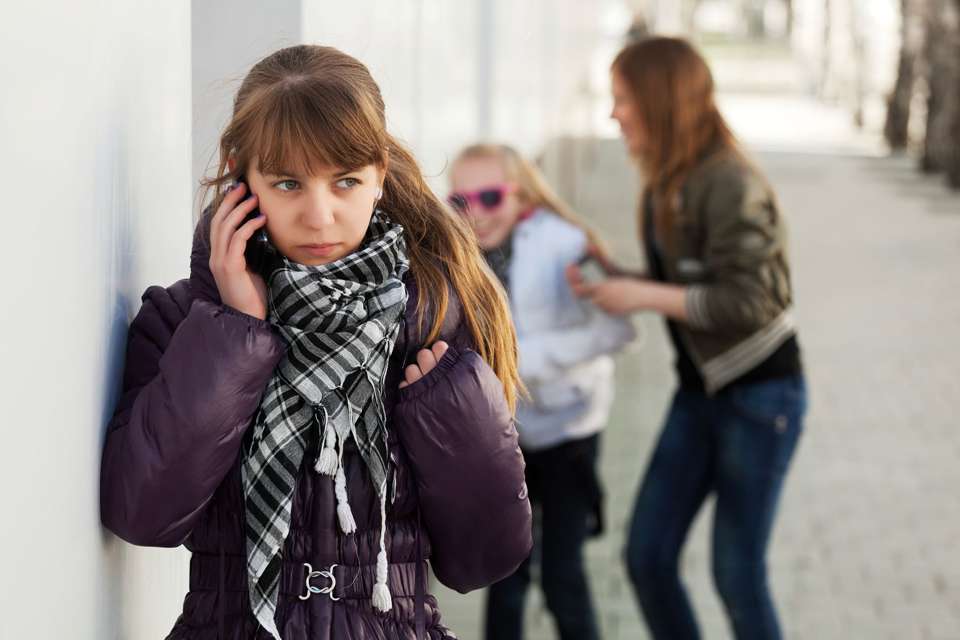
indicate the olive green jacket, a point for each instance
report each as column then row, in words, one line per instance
column 729, row 250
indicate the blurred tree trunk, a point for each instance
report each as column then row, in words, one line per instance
column 639, row 27
column 953, row 167
column 826, row 47
column 940, row 53
column 789, row 5
column 858, row 45
column 752, row 11
column 897, row 125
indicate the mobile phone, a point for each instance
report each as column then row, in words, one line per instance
column 591, row 270
column 258, row 251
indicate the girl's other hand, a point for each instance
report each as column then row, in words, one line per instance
column 616, row 296
column 427, row 359
column 239, row 287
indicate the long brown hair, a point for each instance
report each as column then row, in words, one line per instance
column 672, row 91
column 306, row 107
column 532, row 187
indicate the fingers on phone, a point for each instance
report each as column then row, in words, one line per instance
column 242, row 210
column 233, row 221
column 250, row 227
column 239, row 240
column 230, row 200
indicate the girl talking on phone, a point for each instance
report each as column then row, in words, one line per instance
column 529, row 236
column 316, row 430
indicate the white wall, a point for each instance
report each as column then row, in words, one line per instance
column 228, row 37
column 95, row 127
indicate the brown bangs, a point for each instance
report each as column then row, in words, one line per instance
column 299, row 128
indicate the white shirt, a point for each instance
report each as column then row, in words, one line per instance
column 564, row 342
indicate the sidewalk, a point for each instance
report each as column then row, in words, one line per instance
column 868, row 542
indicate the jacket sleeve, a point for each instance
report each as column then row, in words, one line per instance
column 192, row 383
column 744, row 255
column 544, row 355
column 457, row 430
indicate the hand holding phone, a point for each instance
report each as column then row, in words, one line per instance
column 258, row 250
column 232, row 228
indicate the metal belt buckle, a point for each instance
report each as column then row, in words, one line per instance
column 311, row 574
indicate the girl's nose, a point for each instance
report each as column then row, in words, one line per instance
column 319, row 208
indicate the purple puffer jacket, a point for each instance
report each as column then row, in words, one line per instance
column 195, row 372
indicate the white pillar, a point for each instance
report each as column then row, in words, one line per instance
column 95, row 124
column 228, row 37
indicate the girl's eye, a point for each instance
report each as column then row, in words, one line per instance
column 347, row 183
column 287, row 185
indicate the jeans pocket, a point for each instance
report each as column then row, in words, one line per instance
column 774, row 404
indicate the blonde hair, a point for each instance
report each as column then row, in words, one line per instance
column 532, row 187
column 306, row 107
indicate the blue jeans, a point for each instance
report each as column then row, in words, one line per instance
column 737, row 444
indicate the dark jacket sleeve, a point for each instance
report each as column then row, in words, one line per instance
column 194, row 374
column 745, row 254
column 458, row 432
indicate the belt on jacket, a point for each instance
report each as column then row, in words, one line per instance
column 338, row 582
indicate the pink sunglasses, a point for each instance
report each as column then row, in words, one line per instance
column 488, row 198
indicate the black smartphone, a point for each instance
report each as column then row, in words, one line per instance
column 591, row 270
column 259, row 250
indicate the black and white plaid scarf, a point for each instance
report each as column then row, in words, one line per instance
column 340, row 322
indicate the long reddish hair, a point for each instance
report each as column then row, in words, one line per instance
column 306, row 107
column 673, row 93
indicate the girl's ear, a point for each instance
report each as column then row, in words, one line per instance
column 231, row 163
column 382, row 169
column 382, row 173
column 381, row 178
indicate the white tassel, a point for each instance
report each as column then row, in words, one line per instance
column 381, row 592
column 347, row 524
column 327, row 463
column 382, row 601
column 345, row 515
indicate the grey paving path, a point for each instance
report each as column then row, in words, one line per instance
column 868, row 542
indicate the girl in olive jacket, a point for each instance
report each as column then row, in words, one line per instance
column 718, row 272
